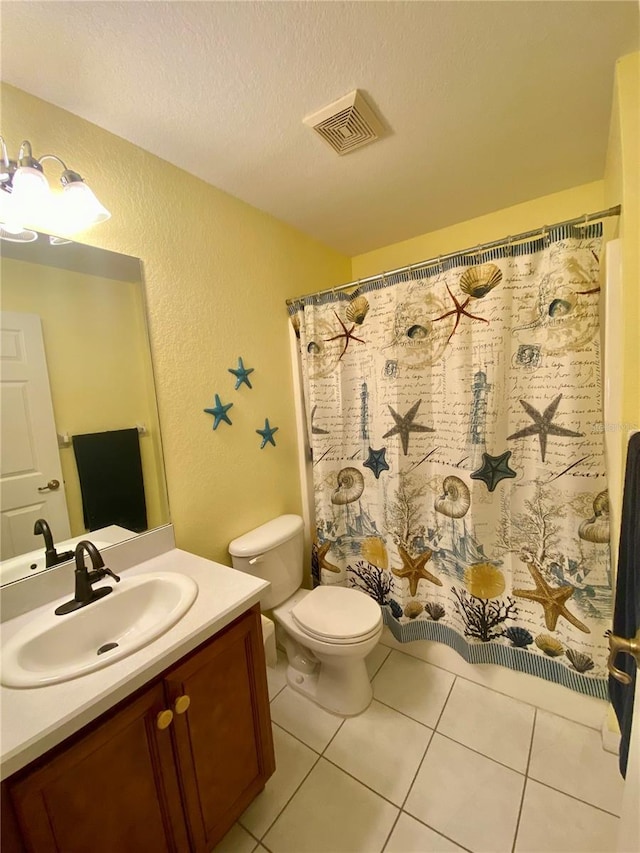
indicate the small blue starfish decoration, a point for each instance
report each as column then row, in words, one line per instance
column 219, row 412
column 267, row 433
column 377, row 461
column 494, row 469
column 242, row 374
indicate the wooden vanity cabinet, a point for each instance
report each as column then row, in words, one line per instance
column 127, row 785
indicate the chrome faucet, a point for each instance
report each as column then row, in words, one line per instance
column 51, row 556
column 85, row 594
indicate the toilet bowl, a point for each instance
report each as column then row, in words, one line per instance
column 326, row 632
column 338, row 679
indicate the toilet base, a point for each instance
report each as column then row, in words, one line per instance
column 342, row 689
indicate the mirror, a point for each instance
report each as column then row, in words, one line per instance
column 82, row 312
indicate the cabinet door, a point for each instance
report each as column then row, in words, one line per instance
column 113, row 791
column 224, row 746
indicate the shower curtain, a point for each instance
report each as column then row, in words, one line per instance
column 455, row 421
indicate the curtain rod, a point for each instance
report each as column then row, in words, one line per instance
column 579, row 220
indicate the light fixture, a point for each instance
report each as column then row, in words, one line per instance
column 27, row 199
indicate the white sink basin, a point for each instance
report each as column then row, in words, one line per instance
column 58, row 648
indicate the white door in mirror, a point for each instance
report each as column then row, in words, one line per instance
column 30, row 461
column 54, row 648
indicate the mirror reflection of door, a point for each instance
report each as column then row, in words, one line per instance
column 30, row 462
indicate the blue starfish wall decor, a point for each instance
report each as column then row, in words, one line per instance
column 494, row 469
column 267, row 433
column 405, row 425
column 241, row 373
column 377, row 461
column 543, row 425
column 219, row 412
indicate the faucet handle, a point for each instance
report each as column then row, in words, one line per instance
column 111, row 574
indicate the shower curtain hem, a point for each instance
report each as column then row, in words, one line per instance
column 514, row 658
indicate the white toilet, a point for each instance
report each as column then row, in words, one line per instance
column 326, row 632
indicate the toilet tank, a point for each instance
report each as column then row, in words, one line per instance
column 273, row 551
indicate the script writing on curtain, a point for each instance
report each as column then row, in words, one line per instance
column 455, row 420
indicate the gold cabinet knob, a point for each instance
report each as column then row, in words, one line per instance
column 629, row 647
column 181, row 705
column 164, row 719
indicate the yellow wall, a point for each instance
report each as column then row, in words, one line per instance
column 511, row 220
column 98, row 361
column 622, row 186
column 217, row 272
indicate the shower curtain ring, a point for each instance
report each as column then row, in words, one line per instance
column 440, row 266
column 509, row 245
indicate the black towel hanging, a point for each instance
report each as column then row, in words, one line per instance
column 626, row 616
column 110, row 472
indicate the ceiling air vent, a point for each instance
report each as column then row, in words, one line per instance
column 347, row 124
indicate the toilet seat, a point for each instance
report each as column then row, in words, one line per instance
column 339, row 615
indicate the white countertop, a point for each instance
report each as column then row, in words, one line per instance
column 36, row 719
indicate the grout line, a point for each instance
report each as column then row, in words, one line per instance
column 446, row 701
column 295, row 737
column 360, row 782
column 393, row 826
column 524, row 787
column 483, row 754
column 344, row 719
column 437, row 831
column 424, row 754
column 278, row 693
column 573, row 797
column 403, row 713
column 276, row 818
column 501, row 692
column 415, row 775
column 382, row 662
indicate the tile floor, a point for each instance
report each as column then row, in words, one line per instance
column 436, row 764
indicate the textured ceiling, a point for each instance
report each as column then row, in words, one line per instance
column 488, row 103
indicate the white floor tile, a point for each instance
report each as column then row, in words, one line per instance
column 277, row 676
column 237, row 840
column 570, row 757
column 304, row 719
column 413, row 687
column 375, row 659
column 467, row 797
column 381, row 748
column 332, row 813
column 293, row 762
column 411, row 836
column 489, row 722
column 552, row 822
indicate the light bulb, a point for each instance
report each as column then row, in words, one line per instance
column 30, row 198
column 79, row 208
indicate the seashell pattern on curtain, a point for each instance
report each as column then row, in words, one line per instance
column 457, row 439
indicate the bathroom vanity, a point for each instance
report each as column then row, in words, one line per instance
column 160, row 750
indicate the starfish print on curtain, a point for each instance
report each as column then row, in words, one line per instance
column 552, row 599
column 413, row 568
column 429, row 407
column 459, row 310
column 543, row 425
column 405, row 425
column 347, row 334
